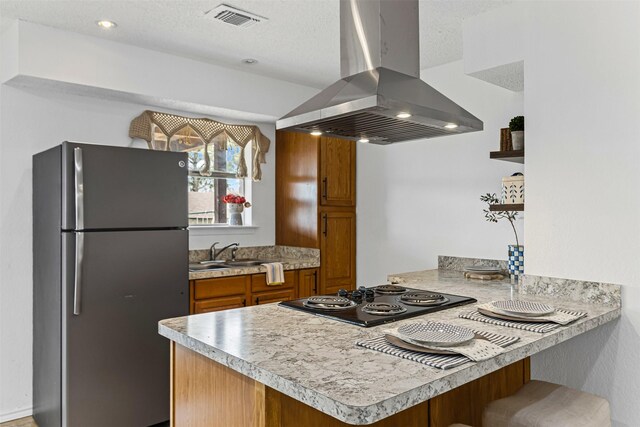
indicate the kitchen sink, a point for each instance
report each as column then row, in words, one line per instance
column 207, row 265
column 248, row 262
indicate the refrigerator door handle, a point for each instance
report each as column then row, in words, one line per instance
column 79, row 187
column 77, row 281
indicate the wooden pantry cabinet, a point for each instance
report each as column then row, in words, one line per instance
column 223, row 293
column 316, row 203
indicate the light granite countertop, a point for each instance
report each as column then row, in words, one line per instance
column 315, row 360
column 292, row 258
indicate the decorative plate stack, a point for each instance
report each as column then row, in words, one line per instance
column 518, row 310
column 482, row 272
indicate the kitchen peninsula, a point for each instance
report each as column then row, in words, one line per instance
column 281, row 367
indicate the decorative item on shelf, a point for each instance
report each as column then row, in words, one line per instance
column 513, row 189
column 516, row 125
column 516, row 252
column 505, row 140
column 235, row 206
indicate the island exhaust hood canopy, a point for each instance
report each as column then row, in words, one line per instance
column 380, row 98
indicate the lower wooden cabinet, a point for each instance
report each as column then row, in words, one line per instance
column 273, row 296
column 219, row 293
column 217, row 304
column 223, row 293
column 308, row 283
column 337, row 250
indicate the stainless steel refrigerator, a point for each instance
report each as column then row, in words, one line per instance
column 110, row 259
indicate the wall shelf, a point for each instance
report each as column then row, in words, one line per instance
column 506, row 207
column 516, row 156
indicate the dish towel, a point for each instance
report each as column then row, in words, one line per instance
column 275, row 273
column 439, row 361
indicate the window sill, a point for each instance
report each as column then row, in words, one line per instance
column 205, row 230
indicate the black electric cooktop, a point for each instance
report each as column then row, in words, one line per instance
column 377, row 305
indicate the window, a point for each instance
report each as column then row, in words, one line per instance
column 223, row 158
column 212, row 173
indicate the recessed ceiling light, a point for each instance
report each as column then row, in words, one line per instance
column 451, row 125
column 403, row 115
column 250, row 61
column 106, row 24
column 316, row 133
column 363, row 140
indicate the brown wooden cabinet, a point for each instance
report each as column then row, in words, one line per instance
column 338, row 250
column 315, row 202
column 206, row 393
column 308, row 282
column 222, row 293
column 338, row 172
column 219, row 293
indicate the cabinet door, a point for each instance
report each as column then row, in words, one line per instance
column 338, row 172
column 308, row 283
column 217, row 304
column 338, row 251
column 218, row 293
column 259, row 282
column 273, row 296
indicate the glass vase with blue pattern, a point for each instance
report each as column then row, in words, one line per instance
column 516, row 262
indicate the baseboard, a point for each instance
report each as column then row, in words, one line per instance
column 14, row 415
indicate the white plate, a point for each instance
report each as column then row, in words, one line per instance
column 436, row 334
column 523, row 308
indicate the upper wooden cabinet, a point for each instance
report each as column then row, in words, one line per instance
column 338, row 172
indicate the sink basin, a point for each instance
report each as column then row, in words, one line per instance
column 207, row 265
column 248, row 262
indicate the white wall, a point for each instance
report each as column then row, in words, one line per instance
column 582, row 105
column 420, row 199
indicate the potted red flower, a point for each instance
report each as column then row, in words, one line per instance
column 235, row 205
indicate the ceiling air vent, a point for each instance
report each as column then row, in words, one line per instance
column 233, row 16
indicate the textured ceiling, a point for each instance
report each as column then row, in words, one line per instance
column 299, row 42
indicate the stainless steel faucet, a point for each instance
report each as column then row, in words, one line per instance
column 214, row 254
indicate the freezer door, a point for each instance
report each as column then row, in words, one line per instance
column 115, row 365
column 122, row 188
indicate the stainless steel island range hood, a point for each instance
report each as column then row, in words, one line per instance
column 380, row 98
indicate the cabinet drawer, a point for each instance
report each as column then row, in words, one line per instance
column 217, row 304
column 276, row 296
column 259, row 282
column 220, row 287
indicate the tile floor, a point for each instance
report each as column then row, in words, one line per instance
column 22, row 422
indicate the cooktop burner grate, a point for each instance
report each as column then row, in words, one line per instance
column 329, row 302
column 390, row 289
column 422, row 299
column 383, row 308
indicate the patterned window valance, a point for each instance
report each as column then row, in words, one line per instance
column 169, row 124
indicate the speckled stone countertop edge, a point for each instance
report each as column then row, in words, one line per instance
column 361, row 415
column 290, row 264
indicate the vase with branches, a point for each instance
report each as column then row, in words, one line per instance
column 516, row 252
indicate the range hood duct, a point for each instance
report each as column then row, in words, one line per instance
column 380, row 69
